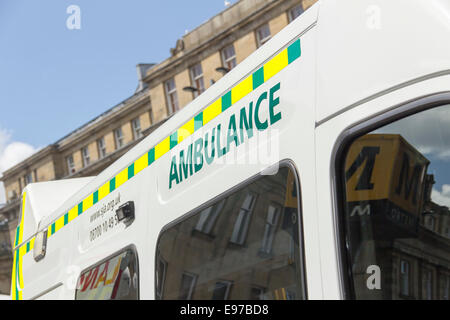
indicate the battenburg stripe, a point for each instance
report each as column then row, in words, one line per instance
column 258, row 78
column 151, row 156
column 239, row 91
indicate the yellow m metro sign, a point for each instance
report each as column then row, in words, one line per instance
column 386, row 167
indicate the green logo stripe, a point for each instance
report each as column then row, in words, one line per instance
column 198, row 121
column 112, row 184
column 151, row 156
column 173, row 140
column 226, row 101
column 258, row 77
column 131, row 171
column 95, row 197
column 294, row 51
column 17, row 235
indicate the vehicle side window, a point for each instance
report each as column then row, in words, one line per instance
column 396, row 208
column 243, row 246
column 113, row 279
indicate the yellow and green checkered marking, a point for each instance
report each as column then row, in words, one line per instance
column 242, row 89
column 17, row 275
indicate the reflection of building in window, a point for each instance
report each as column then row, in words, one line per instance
column 227, row 271
column 188, row 281
column 428, row 284
column 257, row 293
column 270, row 227
column 430, row 221
column 290, row 294
column 284, row 294
column 446, row 287
column 392, row 212
column 221, row 290
column 404, row 277
column 243, row 219
column 114, row 279
column 208, row 217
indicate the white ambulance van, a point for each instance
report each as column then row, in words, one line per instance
column 318, row 168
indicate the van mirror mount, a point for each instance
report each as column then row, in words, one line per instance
column 125, row 213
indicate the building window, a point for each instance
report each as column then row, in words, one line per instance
column 208, row 218
column 262, row 35
column 118, row 138
column 12, row 195
column 85, row 156
column 243, row 220
column 294, row 12
column 101, row 147
column 273, row 212
column 70, row 164
column 221, row 290
column 404, row 278
column 188, row 281
column 430, row 222
column 428, row 279
column 446, row 287
column 229, row 57
column 116, row 278
column 136, row 126
column 202, row 266
column 257, row 293
column 197, row 79
column 171, row 95
column 150, row 116
column 28, row 178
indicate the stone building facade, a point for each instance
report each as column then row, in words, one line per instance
column 198, row 60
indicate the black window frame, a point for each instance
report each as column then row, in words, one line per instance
column 130, row 247
column 281, row 164
column 337, row 167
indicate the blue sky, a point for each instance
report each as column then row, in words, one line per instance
column 53, row 79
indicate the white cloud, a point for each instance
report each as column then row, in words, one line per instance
column 11, row 153
column 441, row 197
column 427, row 131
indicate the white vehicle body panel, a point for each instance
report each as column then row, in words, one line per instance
column 347, row 72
